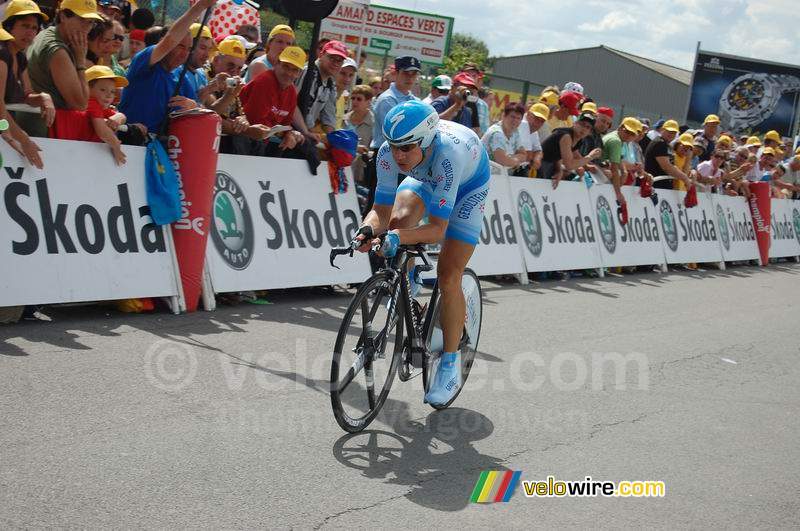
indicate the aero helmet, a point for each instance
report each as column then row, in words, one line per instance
column 411, row 122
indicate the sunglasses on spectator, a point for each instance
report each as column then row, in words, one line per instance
column 119, row 38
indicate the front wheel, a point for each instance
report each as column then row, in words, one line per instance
column 367, row 353
column 473, row 299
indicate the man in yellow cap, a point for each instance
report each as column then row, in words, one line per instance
column 709, row 135
column 658, row 158
column 196, row 74
column 148, row 98
column 229, row 58
column 772, row 140
column 226, row 86
column 535, row 118
column 279, row 38
column 627, row 131
column 269, row 101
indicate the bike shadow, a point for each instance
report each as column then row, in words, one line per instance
column 435, row 457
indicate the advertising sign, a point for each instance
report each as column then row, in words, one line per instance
column 79, row 231
column 498, row 252
column 275, row 228
column 636, row 243
column 750, row 96
column 390, row 30
column 785, row 239
column 737, row 234
column 558, row 227
column 690, row 235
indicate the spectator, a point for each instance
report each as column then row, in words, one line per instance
column 502, row 140
column 762, row 169
column 709, row 135
column 535, row 118
column 115, row 47
column 549, row 97
column 249, row 32
column 344, row 80
column 753, row 144
column 568, row 105
column 149, row 96
column 375, row 84
column 316, row 95
column 481, row 107
column 787, row 177
column 279, row 38
column 612, row 152
column 440, row 86
column 682, row 149
column 361, row 120
column 57, row 59
column 773, row 140
column 652, row 134
column 21, row 22
column 560, row 149
column 270, row 100
column 112, row 9
column 224, row 86
column 725, row 143
column 136, row 38
column 98, row 42
column 252, row 55
column 196, row 75
column 460, row 103
column 153, row 35
column 710, row 172
column 658, row 158
column 141, row 20
column 602, row 123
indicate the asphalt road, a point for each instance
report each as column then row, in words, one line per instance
column 221, row 420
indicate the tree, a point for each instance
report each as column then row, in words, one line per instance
column 466, row 49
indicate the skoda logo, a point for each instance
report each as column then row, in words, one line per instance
column 724, row 235
column 232, row 230
column 605, row 220
column 796, row 219
column 669, row 226
column 529, row 220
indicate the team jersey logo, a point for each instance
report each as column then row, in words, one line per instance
column 442, row 202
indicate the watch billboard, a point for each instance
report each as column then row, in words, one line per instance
column 750, row 96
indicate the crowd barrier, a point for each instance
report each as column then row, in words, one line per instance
column 80, row 230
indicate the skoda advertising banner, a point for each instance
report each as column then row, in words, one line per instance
column 499, row 251
column 558, row 227
column 750, row 96
column 77, row 231
column 636, row 243
column 785, row 240
column 274, row 225
column 689, row 234
column 735, row 230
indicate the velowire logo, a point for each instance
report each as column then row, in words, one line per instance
column 605, row 220
column 724, row 235
column 669, row 225
column 232, row 231
column 529, row 221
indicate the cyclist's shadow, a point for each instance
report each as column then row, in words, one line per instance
column 435, row 458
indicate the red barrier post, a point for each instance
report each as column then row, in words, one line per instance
column 193, row 146
column 761, row 208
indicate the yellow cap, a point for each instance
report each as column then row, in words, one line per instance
column 589, row 106
column 82, row 8
column 549, row 97
column 768, row 151
column 753, row 141
column 5, row 36
column 293, row 55
column 540, row 110
column 686, row 139
column 797, row 152
column 671, row 125
column 725, row 139
column 231, row 46
column 103, row 72
column 632, row 124
column 711, row 119
column 773, row 135
column 24, row 7
column 205, row 34
column 281, row 29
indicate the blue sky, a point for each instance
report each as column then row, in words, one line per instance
column 662, row 31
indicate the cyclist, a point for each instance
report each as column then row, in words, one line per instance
column 447, row 172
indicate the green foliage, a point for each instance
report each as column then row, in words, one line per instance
column 466, row 49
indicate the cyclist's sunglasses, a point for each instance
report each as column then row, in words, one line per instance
column 405, row 148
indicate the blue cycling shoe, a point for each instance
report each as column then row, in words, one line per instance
column 447, row 381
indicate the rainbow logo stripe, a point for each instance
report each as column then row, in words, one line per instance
column 495, row 486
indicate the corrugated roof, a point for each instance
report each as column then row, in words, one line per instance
column 673, row 72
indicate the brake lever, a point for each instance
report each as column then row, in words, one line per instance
column 339, row 252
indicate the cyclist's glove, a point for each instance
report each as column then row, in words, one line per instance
column 391, row 242
column 368, row 233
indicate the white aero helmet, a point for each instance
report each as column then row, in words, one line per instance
column 411, row 122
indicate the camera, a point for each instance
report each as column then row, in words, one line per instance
column 466, row 94
column 232, row 81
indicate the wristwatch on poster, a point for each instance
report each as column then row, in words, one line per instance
column 752, row 98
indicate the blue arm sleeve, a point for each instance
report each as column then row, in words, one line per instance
column 388, row 170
